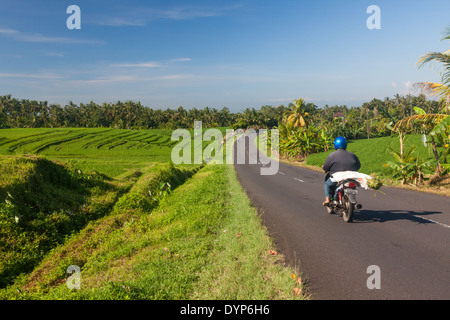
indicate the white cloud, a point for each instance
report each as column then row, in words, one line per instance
column 124, row 78
column 117, row 21
column 54, row 54
column 9, row 31
column 30, row 76
column 406, row 88
column 28, row 37
column 181, row 59
column 183, row 13
column 282, row 100
column 136, row 65
column 142, row 16
column 173, row 77
column 110, row 79
column 150, row 64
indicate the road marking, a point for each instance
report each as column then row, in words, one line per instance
column 435, row 222
column 299, row 180
column 282, row 173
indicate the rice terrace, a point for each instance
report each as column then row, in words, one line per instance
column 109, row 202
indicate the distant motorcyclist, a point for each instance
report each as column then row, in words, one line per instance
column 339, row 160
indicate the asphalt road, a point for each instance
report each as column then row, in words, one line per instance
column 406, row 234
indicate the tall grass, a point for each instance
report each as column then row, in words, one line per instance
column 203, row 241
column 41, row 204
column 243, row 263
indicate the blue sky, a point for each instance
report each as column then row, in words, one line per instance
column 235, row 54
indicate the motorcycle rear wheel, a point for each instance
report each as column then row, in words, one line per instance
column 348, row 210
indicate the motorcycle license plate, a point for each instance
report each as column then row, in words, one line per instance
column 351, row 191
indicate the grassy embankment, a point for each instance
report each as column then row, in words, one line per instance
column 133, row 235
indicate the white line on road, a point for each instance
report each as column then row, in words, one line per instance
column 299, row 180
column 281, row 173
column 435, row 222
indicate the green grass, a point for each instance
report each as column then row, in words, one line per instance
column 107, row 201
column 203, row 241
column 373, row 153
column 240, row 265
column 45, row 202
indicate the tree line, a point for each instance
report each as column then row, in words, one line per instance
column 366, row 121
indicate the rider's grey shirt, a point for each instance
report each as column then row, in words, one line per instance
column 341, row 160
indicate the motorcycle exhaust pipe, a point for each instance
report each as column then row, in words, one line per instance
column 358, row 206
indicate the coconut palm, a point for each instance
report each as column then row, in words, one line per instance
column 297, row 115
column 440, row 90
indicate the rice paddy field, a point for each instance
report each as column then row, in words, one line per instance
column 109, row 151
column 110, row 203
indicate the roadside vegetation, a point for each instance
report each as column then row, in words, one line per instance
column 203, row 241
column 419, row 157
column 379, row 158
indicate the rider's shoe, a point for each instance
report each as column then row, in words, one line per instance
column 327, row 202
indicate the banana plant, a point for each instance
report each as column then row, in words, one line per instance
column 325, row 139
column 403, row 164
column 424, row 123
column 442, row 134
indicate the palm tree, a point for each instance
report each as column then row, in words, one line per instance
column 440, row 90
column 297, row 115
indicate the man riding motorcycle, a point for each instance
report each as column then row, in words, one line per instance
column 339, row 160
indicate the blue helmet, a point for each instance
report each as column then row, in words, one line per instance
column 340, row 143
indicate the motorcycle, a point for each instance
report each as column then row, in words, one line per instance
column 344, row 200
